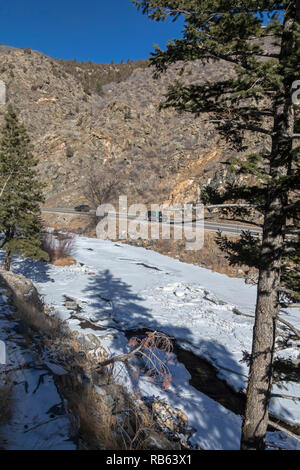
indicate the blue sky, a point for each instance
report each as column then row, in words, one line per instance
column 100, row 31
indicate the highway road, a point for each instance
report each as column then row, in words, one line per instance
column 229, row 229
column 69, row 211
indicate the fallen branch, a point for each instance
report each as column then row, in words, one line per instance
column 120, row 358
column 147, row 348
column 42, row 424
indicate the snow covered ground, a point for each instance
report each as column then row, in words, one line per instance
column 38, row 419
column 120, row 287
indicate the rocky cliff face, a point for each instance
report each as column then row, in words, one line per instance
column 155, row 156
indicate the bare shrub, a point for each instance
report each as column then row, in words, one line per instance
column 58, row 245
column 149, row 350
column 65, row 244
column 149, row 347
column 48, row 244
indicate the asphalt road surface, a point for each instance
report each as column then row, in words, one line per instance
column 229, row 229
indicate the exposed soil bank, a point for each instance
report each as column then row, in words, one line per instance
column 204, row 377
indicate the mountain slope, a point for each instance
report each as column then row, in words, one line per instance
column 79, row 130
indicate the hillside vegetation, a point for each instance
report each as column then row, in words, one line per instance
column 103, row 120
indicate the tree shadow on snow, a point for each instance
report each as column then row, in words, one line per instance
column 218, row 427
column 36, row 271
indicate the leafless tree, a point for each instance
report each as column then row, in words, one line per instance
column 103, row 184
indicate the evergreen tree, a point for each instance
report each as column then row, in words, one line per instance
column 257, row 99
column 20, row 193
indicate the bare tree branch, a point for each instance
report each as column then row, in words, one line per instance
column 120, row 358
column 289, row 325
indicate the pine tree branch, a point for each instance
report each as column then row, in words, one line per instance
column 179, row 11
column 283, row 305
column 286, row 290
column 290, row 326
column 295, row 205
column 287, row 397
column 240, row 126
column 236, row 56
column 286, row 431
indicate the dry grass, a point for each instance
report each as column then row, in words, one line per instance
column 98, row 427
column 108, row 421
column 105, row 430
column 65, row 261
column 113, row 420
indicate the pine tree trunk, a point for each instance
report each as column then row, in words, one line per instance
column 260, row 375
column 7, row 263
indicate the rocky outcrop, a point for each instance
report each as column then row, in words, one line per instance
column 24, row 295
